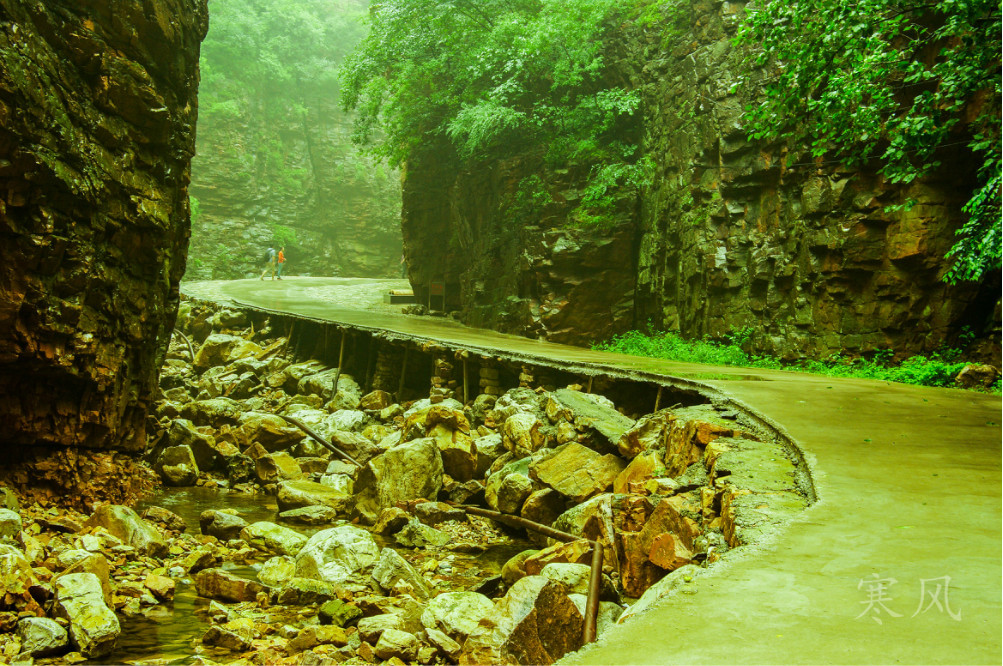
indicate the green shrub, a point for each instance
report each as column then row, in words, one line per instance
column 937, row 369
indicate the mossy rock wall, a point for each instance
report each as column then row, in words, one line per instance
column 808, row 258
column 97, row 129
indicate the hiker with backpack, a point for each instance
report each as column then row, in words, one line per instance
column 269, row 263
column 281, row 263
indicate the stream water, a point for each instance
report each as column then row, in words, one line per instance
column 169, row 633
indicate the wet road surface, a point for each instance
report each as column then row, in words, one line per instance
column 898, row 562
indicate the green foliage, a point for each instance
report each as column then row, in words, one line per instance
column 531, row 197
column 881, row 78
column 938, row 369
column 283, row 236
column 495, row 78
column 195, row 208
column 273, row 56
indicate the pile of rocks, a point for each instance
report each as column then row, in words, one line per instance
column 375, row 560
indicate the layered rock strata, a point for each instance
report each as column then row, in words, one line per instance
column 97, row 130
column 812, row 259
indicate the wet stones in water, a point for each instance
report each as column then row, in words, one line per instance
column 433, row 513
column 395, row 574
column 310, row 515
column 305, row 592
column 168, row 519
column 94, row 628
column 303, row 493
column 218, row 584
column 338, row 555
column 221, row 524
column 274, row 539
column 416, row 534
column 235, row 635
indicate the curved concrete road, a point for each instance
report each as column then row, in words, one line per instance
column 898, row 562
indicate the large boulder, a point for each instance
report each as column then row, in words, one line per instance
column 42, row 637
column 221, row 524
column 218, row 584
column 208, row 454
column 221, row 349
column 392, row 572
column 459, row 457
column 126, row 524
column 410, row 471
column 509, row 487
column 534, row 623
column 277, row 571
column 350, row 420
column 522, row 434
column 74, row 561
column 177, row 466
column 338, row 554
column 302, row 493
column 456, row 614
column 648, row 434
column 10, row 525
column 271, row 538
column 94, row 628
column 577, row 472
column 394, row 643
column 358, row 446
column 279, row 466
column 593, row 414
column 215, row 412
column 272, row 432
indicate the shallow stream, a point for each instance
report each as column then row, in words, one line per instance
column 169, row 633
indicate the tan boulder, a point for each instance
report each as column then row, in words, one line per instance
column 648, row 434
column 644, row 467
column 577, row 472
column 534, row 623
column 218, row 584
column 574, row 552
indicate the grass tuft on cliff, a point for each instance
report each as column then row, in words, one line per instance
column 937, row 369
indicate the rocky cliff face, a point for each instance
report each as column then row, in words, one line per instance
column 726, row 238
column 305, row 186
column 97, row 129
column 538, row 279
column 807, row 256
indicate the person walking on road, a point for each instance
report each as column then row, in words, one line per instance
column 280, row 263
column 269, row 263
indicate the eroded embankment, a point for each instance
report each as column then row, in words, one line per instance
column 373, row 562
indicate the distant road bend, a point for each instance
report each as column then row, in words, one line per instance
column 908, row 480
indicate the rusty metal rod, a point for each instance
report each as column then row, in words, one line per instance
column 191, row 350
column 595, row 576
column 592, row 604
column 302, row 426
column 658, row 398
column 466, row 394
column 400, row 386
column 341, row 359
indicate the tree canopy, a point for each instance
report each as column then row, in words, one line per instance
column 493, row 77
column 276, row 56
column 898, row 80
